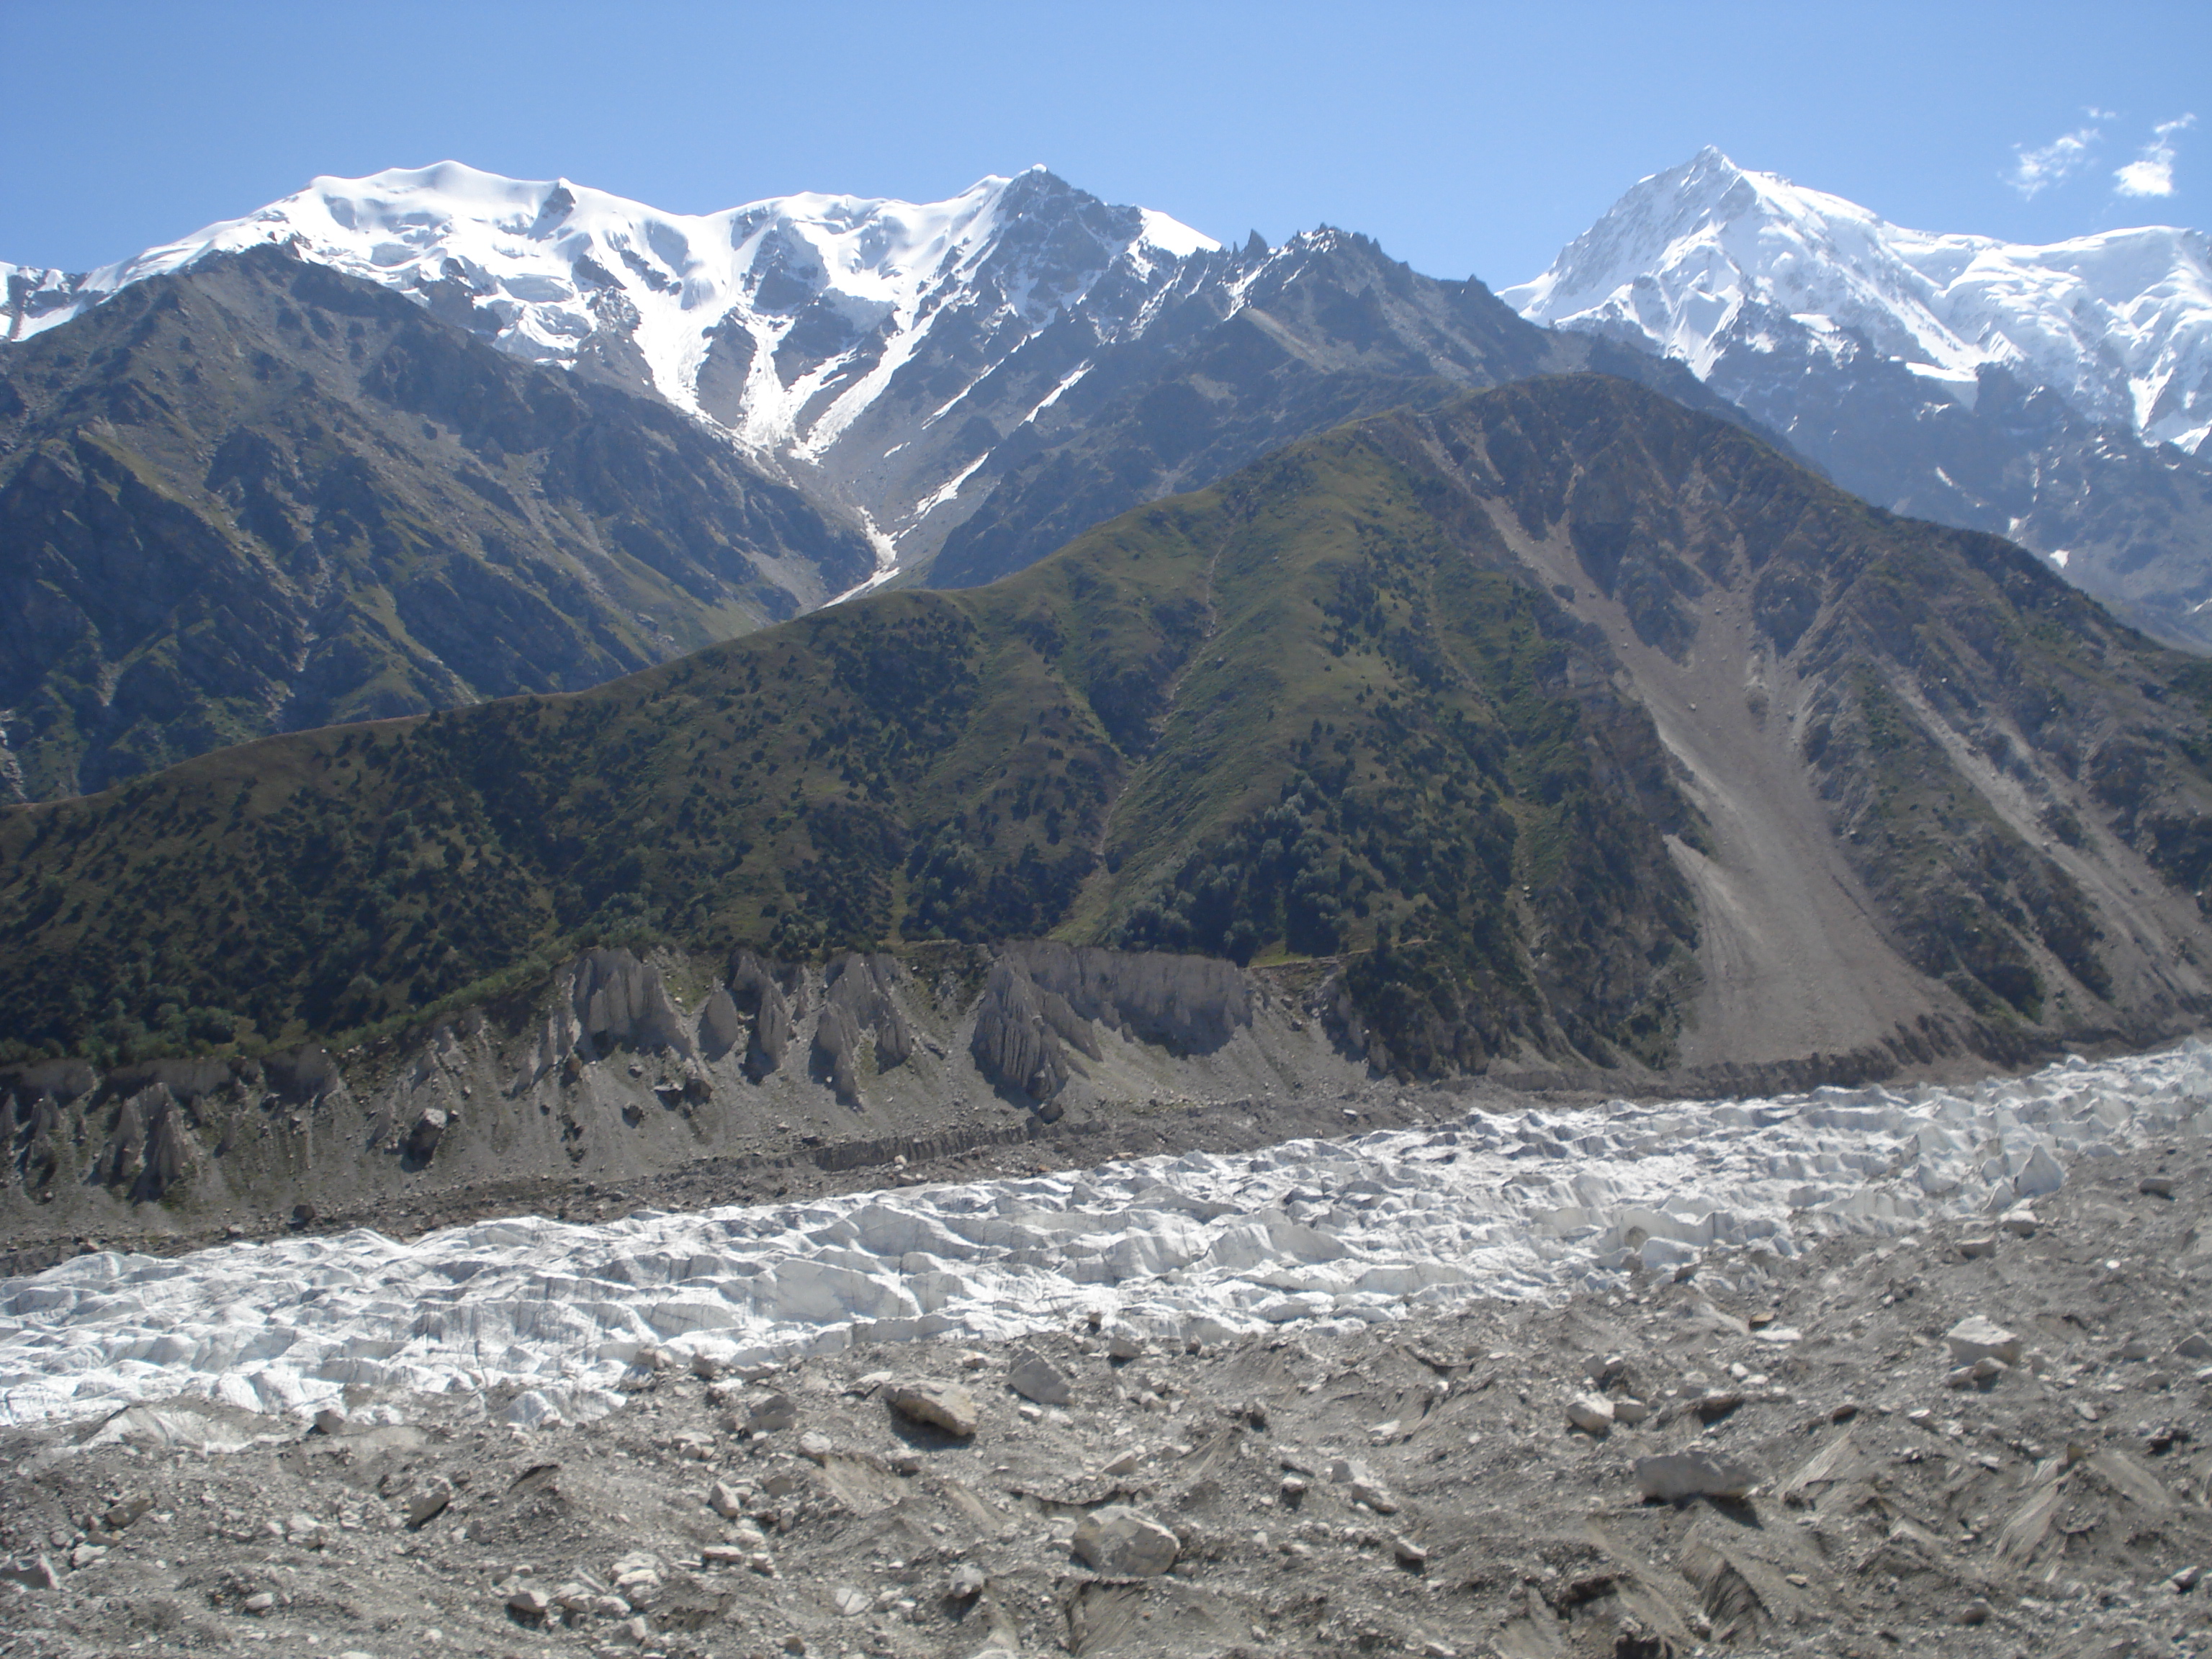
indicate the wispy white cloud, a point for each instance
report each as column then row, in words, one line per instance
column 2034, row 171
column 2096, row 114
column 2151, row 173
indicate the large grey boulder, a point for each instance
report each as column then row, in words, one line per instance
column 940, row 1405
column 1035, row 1377
column 1124, row 1543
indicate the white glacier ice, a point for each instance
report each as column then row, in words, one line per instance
column 1532, row 1205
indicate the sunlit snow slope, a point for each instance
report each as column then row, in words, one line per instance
column 826, row 332
column 547, row 1317
column 1710, row 258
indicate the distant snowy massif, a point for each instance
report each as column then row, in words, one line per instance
column 1721, row 266
column 783, row 322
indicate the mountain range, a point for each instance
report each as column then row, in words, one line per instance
column 1554, row 723
column 2057, row 395
column 335, row 536
column 695, row 579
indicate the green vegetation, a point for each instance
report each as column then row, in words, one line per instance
column 1324, row 709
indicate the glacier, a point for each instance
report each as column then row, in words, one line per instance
column 545, row 1320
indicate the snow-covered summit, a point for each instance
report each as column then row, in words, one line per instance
column 782, row 320
column 1710, row 258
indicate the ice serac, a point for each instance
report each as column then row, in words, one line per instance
column 2057, row 395
column 845, row 338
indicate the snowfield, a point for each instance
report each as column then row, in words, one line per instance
column 549, row 1317
column 1710, row 256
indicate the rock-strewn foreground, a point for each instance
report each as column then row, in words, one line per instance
column 1986, row 1435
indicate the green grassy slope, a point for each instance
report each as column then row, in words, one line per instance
column 1323, row 708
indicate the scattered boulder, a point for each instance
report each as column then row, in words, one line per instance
column 1123, row 1542
column 1974, row 1248
column 1037, row 1378
column 1975, row 1338
column 430, row 1130
column 940, row 1405
column 967, row 1582
column 1672, row 1477
column 2157, row 1186
column 428, row 1501
column 723, row 1498
column 1591, row 1414
column 2195, row 1346
column 2020, row 1221
column 530, row 1606
column 1630, row 1410
column 771, row 1413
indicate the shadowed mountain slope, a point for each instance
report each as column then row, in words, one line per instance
column 1287, row 343
column 1557, row 720
column 261, row 495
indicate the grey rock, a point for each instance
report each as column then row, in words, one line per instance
column 967, row 1582
column 941, row 1404
column 531, row 1606
column 2195, row 1346
column 721, row 1027
column 259, row 1602
column 1124, row 1542
column 1035, row 1377
column 859, row 1004
column 772, row 1413
column 1975, row 1338
column 34, row 1570
column 2155, row 1186
column 430, row 1130
column 722, row 1497
column 1591, row 1414
column 428, row 1501
column 756, row 993
column 1409, row 1554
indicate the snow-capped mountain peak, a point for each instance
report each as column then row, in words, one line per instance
column 787, row 322
column 1710, row 258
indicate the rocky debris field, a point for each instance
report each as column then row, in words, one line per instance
column 1986, row 1437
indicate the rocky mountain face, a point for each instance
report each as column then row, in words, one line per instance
column 1326, row 329
column 2058, row 396
column 1556, row 726
column 259, row 494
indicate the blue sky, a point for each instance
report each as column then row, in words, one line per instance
column 1466, row 139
